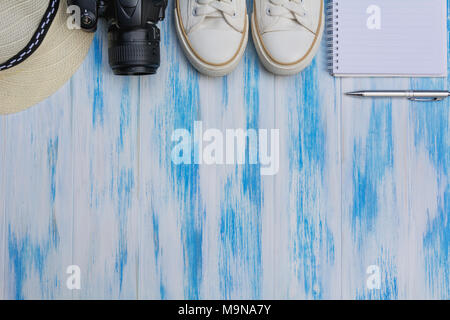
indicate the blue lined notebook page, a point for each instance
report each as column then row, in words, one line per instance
column 388, row 38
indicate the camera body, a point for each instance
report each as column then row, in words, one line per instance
column 133, row 35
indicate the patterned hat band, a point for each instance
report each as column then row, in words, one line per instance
column 36, row 39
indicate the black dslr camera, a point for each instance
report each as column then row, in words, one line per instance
column 133, row 36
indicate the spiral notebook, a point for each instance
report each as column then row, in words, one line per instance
column 387, row 38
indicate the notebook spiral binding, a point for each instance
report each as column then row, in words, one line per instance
column 332, row 37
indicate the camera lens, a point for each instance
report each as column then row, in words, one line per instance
column 134, row 51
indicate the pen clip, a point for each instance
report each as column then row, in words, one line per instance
column 431, row 99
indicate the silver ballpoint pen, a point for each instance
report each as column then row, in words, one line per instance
column 411, row 95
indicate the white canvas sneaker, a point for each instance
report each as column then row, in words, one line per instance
column 287, row 33
column 213, row 33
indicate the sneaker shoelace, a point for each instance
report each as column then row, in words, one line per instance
column 214, row 8
column 289, row 9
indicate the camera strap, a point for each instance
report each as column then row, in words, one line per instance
column 36, row 39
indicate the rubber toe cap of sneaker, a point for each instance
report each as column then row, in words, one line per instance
column 288, row 47
column 215, row 46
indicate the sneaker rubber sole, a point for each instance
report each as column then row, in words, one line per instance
column 285, row 69
column 209, row 69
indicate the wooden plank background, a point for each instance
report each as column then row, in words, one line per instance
column 86, row 179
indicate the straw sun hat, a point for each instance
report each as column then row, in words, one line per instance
column 38, row 52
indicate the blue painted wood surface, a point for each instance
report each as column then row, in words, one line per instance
column 86, row 179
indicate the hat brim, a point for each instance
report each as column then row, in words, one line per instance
column 46, row 70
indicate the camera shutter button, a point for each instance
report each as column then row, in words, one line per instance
column 88, row 20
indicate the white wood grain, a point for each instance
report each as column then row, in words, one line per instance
column 307, row 189
column 161, row 256
column 429, row 194
column 374, row 181
column 38, row 199
column 2, row 212
column 239, row 250
column 267, row 115
column 105, row 177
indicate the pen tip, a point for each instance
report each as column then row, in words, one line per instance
column 355, row 94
